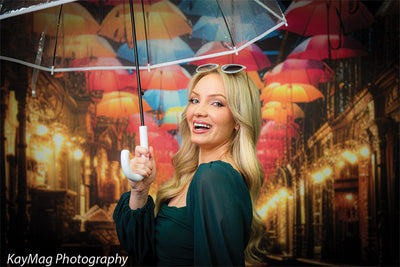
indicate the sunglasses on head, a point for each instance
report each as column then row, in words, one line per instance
column 228, row 68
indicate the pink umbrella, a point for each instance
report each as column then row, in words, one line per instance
column 321, row 47
column 252, row 56
column 171, row 77
column 308, row 18
column 299, row 71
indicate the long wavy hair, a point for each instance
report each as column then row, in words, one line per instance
column 243, row 100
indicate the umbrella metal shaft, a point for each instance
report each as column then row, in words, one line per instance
column 139, row 88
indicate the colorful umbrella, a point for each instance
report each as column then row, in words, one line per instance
column 308, row 18
column 281, row 113
column 299, row 71
column 163, row 21
column 104, row 80
column 321, row 47
column 159, row 51
column 120, row 104
column 251, row 56
column 162, row 100
column 171, row 77
column 290, row 93
column 172, row 118
column 75, row 20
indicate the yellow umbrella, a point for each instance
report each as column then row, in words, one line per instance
column 120, row 104
column 291, row 93
column 75, row 20
column 281, row 113
column 163, row 21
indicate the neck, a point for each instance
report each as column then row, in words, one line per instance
column 208, row 155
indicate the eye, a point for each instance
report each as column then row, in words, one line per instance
column 194, row 100
column 217, row 104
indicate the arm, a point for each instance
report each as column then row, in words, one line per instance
column 134, row 213
column 222, row 212
column 136, row 230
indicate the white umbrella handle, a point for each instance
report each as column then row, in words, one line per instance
column 125, row 156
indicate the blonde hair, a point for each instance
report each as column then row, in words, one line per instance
column 244, row 102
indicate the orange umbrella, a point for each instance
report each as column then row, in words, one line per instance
column 74, row 20
column 291, row 93
column 163, row 21
column 276, row 111
column 119, row 104
column 82, row 46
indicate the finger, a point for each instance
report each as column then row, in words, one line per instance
column 139, row 151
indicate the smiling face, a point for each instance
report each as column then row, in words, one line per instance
column 210, row 120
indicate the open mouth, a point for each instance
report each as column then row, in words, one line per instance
column 201, row 126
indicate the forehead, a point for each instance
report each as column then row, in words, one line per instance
column 210, row 84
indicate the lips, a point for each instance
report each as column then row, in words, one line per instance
column 201, row 127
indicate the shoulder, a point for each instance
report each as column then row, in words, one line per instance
column 220, row 176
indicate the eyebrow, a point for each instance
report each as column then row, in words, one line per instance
column 213, row 95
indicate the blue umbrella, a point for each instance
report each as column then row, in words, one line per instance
column 163, row 100
column 159, row 51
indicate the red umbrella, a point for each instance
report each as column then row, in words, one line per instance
column 252, row 56
column 327, row 17
column 105, row 80
column 171, row 77
column 321, row 47
column 299, row 71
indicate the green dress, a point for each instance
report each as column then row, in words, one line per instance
column 213, row 229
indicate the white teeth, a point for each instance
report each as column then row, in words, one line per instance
column 202, row 125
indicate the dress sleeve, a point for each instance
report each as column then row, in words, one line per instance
column 136, row 230
column 220, row 205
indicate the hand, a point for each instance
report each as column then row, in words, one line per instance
column 143, row 163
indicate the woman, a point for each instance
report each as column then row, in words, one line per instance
column 206, row 214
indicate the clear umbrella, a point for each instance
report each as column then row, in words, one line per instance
column 244, row 22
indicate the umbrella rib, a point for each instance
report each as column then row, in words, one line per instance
column 58, row 27
column 226, row 24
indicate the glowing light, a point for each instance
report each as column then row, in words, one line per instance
column 78, row 154
column 340, row 164
column 364, row 151
column 318, row 177
column 327, row 171
column 301, row 188
column 350, row 156
column 58, row 139
column 283, row 193
column 349, row 197
column 42, row 130
column 263, row 211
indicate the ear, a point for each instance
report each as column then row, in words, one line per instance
column 237, row 127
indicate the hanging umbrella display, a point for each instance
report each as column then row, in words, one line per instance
column 299, row 71
column 321, row 47
column 308, row 18
column 162, row 100
column 104, row 80
column 245, row 26
column 163, row 20
column 120, row 104
column 281, row 113
column 252, row 56
column 75, row 20
column 172, row 119
column 159, row 51
column 291, row 93
column 172, row 77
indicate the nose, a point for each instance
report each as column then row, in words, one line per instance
column 201, row 110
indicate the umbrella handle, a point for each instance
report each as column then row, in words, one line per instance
column 125, row 156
